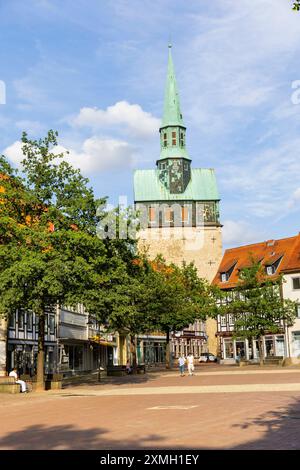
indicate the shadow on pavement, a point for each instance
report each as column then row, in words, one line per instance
column 281, row 429
column 67, row 437
column 92, row 380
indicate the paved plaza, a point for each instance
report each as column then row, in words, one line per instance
column 218, row 408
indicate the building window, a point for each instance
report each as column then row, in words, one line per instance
column 185, row 214
column 52, row 324
column 151, row 214
column 181, row 139
column 12, row 321
column 29, row 321
column 230, row 319
column 296, row 283
column 223, row 320
column 298, row 310
column 224, row 277
column 173, row 138
column 169, row 215
column 20, row 319
column 270, row 270
column 165, row 139
column 162, row 166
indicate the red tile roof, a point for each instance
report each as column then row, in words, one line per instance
column 268, row 252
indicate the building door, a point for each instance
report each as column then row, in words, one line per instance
column 269, row 346
column 228, row 349
column 240, row 349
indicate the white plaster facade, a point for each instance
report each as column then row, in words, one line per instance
column 293, row 332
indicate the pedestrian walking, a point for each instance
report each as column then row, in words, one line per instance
column 181, row 363
column 190, row 363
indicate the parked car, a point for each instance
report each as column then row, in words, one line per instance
column 207, row 357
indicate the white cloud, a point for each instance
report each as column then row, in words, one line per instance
column 14, row 152
column 31, row 127
column 239, row 233
column 136, row 121
column 96, row 155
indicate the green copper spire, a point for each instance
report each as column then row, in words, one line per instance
column 172, row 131
column 172, row 113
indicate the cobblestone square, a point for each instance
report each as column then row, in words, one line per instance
column 218, row 408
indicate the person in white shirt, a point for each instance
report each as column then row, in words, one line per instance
column 190, row 362
column 14, row 374
column 181, row 362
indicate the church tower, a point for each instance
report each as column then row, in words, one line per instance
column 178, row 204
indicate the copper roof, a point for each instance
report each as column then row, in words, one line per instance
column 267, row 253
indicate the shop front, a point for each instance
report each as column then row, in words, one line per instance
column 238, row 349
column 23, row 356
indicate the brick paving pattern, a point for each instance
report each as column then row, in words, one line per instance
column 218, row 408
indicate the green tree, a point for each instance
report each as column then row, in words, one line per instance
column 179, row 297
column 296, row 5
column 49, row 251
column 257, row 305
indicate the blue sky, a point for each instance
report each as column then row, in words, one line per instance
column 95, row 71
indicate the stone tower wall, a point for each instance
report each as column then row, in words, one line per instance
column 201, row 245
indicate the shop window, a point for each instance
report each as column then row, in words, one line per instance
column 296, row 283
column 296, row 340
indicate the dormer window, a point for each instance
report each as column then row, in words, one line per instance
column 227, row 270
column 224, row 277
column 273, row 263
column 270, row 270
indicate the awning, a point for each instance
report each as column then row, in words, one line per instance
column 102, row 341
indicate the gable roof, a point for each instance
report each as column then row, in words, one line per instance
column 267, row 253
column 202, row 187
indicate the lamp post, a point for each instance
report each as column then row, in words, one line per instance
column 99, row 358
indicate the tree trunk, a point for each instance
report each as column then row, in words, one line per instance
column 261, row 358
column 133, row 353
column 40, row 380
column 168, row 355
